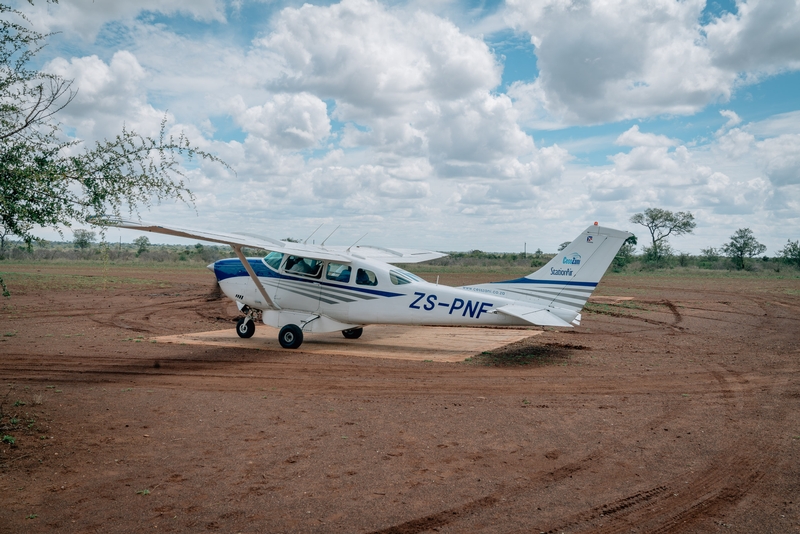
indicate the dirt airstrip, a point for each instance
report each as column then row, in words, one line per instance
column 676, row 409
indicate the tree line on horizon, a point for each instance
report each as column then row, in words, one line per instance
column 50, row 180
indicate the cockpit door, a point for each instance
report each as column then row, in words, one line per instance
column 299, row 285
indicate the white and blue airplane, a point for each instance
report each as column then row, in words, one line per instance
column 302, row 288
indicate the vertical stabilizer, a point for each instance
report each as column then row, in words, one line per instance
column 566, row 282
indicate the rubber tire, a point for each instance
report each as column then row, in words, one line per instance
column 290, row 336
column 245, row 327
column 353, row 333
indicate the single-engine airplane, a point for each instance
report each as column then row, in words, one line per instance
column 302, row 288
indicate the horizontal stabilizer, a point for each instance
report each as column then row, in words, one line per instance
column 536, row 316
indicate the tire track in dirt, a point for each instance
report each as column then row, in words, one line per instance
column 690, row 496
column 460, row 513
column 669, row 507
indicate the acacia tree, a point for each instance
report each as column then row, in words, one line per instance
column 45, row 178
column 661, row 224
column 791, row 253
column 83, row 239
column 743, row 244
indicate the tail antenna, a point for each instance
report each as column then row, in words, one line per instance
column 329, row 236
column 312, row 233
column 356, row 243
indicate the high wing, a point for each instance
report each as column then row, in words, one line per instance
column 233, row 240
column 338, row 253
column 389, row 255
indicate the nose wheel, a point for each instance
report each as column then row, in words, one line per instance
column 245, row 327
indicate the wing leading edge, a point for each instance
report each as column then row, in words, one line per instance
column 340, row 254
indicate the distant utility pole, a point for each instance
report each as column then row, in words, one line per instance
column 525, row 250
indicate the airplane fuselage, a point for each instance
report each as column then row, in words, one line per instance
column 370, row 292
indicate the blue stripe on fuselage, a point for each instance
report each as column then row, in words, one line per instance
column 232, row 268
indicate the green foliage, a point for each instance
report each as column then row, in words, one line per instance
column 142, row 244
column 743, row 244
column 11, row 440
column 661, row 224
column 625, row 254
column 46, row 181
column 83, row 239
column 791, row 253
column 709, row 254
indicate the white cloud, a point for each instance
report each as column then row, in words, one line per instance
column 633, row 137
column 609, row 60
column 733, row 118
column 109, row 95
column 735, row 143
column 87, row 17
column 613, row 60
column 781, row 159
column 762, row 37
column 374, row 61
column 287, row 121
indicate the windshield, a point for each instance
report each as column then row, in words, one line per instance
column 273, row 259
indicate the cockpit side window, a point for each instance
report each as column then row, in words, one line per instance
column 365, row 277
column 400, row 277
column 338, row 272
column 273, row 259
column 303, row 266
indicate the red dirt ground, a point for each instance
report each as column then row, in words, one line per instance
column 677, row 411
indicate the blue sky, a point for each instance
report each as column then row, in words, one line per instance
column 451, row 125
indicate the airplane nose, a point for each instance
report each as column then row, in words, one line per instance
column 210, row 267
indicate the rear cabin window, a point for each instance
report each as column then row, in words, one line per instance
column 400, row 277
column 365, row 277
column 303, row 266
column 338, row 272
column 273, row 259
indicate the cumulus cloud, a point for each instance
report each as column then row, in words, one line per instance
column 374, row 61
column 633, row 137
column 781, row 159
column 288, row 121
column 407, row 85
column 604, row 61
column 87, row 17
column 108, row 95
column 760, row 37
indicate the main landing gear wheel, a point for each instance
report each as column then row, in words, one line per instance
column 353, row 333
column 245, row 327
column 291, row 336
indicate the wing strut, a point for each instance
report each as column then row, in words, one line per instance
column 238, row 250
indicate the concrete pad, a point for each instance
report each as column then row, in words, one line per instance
column 436, row 343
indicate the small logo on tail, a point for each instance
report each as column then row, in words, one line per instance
column 573, row 259
column 589, row 238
